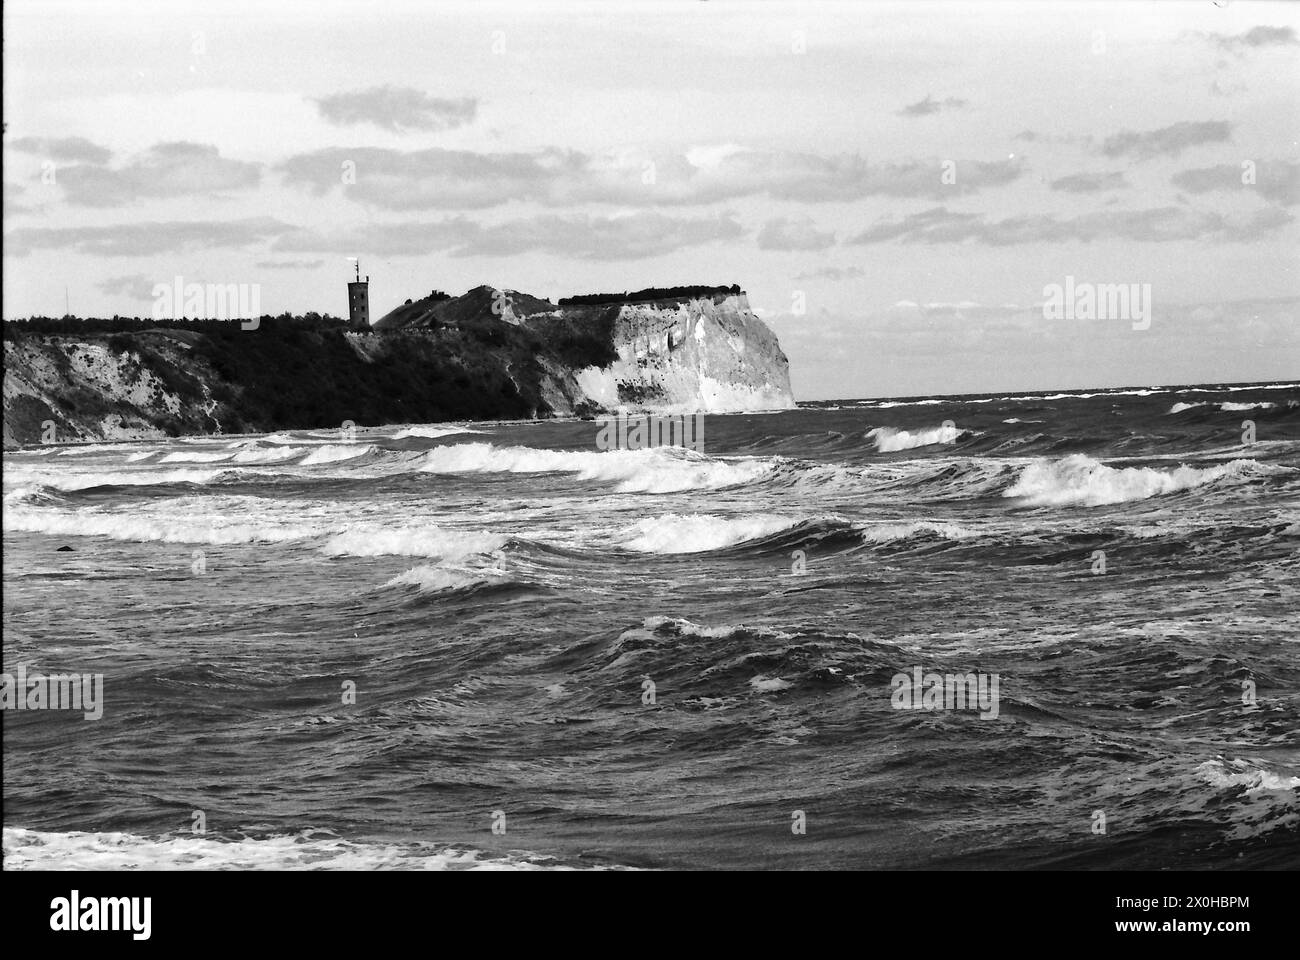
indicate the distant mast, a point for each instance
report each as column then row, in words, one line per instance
column 359, row 300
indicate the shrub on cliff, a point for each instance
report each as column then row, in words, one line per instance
column 650, row 293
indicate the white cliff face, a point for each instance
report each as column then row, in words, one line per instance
column 696, row 356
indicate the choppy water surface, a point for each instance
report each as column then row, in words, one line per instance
column 500, row 596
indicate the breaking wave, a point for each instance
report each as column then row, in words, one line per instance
column 431, row 433
column 334, row 452
column 655, row 470
column 375, row 541
column 305, row 850
column 195, row 456
column 889, row 439
column 673, row 533
column 1079, row 479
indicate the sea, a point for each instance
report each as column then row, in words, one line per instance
column 1004, row 631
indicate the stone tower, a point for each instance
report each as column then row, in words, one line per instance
column 359, row 302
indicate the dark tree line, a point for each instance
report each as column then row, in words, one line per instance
column 649, row 293
column 83, row 326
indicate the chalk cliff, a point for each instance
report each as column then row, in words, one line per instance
column 702, row 354
column 488, row 354
column 704, row 350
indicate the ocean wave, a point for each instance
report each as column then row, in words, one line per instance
column 655, row 470
column 888, row 532
column 134, row 527
column 436, row 578
column 89, row 448
column 431, row 433
column 374, row 541
column 1226, row 406
column 1238, row 773
column 890, row 439
column 39, row 494
column 71, row 482
column 1079, row 479
column 1230, row 407
column 261, row 455
column 673, row 533
column 196, row 456
column 335, row 452
column 306, row 850
column 681, row 627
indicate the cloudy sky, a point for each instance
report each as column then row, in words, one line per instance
column 895, row 186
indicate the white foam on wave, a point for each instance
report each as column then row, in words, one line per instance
column 262, row 455
column 431, row 432
column 654, row 470
column 889, row 439
column 1241, row 773
column 888, row 532
column 690, row 628
column 241, row 519
column 88, row 448
column 144, row 529
column 140, row 455
column 890, row 404
column 1079, row 479
column 371, row 540
column 1230, row 407
column 308, row 850
column 39, row 494
column 769, row 684
column 674, row 533
column 335, row 452
column 1227, row 406
column 133, row 478
column 195, row 456
column 435, row 578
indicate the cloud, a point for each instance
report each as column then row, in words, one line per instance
column 178, row 169
column 1090, row 182
column 1255, row 37
column 397, row 109
column 67, row 149
column 1073, row 139
column 797, row 233
column 1227, row 89
column 289, row 264
column 134, row 287
column 832, row 273
column 642, row 234
column 1277, row 181
column 463, row 180
column 1166, row 141
column 929, row 105
column 1160, row 224
column 12, row 204
column 143, row 239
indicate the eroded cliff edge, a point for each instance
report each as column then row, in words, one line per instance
column 488, row 354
